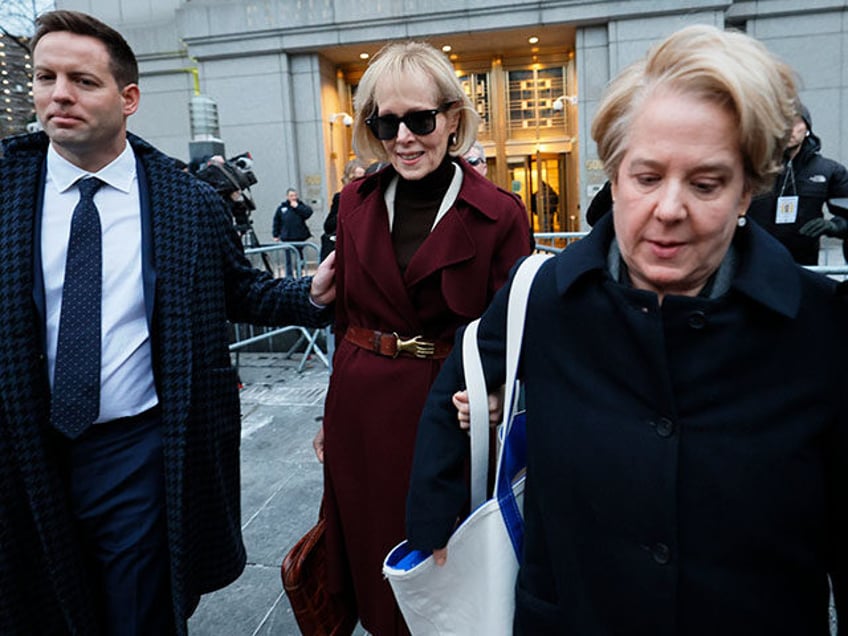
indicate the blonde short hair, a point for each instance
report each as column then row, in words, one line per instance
column 725, row 67
column 395, row 61
column 350, row 168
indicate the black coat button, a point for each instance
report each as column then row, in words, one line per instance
column 665, row 427
column 661, row 553
column 697, row 320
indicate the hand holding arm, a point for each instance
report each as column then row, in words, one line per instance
column 463, row 411
column 440, row 556
column 323, row 289
column 318, row 444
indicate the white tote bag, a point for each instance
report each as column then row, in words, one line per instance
column 474, row 592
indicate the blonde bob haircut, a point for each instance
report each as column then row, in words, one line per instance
column 350, row 168
column 725, row 67
column 400, row 60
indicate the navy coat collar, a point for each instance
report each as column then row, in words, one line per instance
column 766, row 274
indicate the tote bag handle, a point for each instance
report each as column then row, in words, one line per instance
column 476, row 384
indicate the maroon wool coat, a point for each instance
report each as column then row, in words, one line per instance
column 374, row 402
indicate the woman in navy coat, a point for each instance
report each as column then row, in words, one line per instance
column 682, row 478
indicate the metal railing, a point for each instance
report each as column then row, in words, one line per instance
column 272, row 259
column 838, row 272
column 555, row 242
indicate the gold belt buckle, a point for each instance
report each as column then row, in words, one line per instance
column 415, row 346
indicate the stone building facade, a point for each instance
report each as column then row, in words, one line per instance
column 283, row 73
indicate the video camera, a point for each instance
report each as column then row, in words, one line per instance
column 232, row 179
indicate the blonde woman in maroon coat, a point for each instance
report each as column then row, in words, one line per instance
column 422, row 246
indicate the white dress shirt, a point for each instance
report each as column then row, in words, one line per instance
column 126, row 371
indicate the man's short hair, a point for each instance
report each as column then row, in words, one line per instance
column 122, row 60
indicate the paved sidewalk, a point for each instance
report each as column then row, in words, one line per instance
column 281, row 492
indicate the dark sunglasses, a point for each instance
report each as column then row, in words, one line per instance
column 419, row 122
column 475, row 160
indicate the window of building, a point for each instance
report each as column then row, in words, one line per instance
column 530, row 102
column 476, row 86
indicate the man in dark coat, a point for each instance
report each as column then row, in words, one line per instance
column 88, row 545
column 792, row 211
column 290, row 225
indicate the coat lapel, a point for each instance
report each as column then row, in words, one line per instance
column 24, row 398
column 174, row 258
column 367, row 227
column 449, row 243
column 21, row 333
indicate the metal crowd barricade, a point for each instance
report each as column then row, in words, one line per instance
column 555, row 242
column 303, row 262
column 272, row 259
column 838, row 272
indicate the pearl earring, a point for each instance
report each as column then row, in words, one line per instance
column 741, row 221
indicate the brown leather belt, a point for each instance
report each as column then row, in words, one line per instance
column 392, row 345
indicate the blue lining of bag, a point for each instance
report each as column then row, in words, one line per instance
column 405, row 558
column 514, row 461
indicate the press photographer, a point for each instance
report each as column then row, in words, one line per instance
column 232, row 179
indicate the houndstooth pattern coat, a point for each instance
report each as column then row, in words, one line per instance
column 201, row 279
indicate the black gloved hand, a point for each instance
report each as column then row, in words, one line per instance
column 829, row 227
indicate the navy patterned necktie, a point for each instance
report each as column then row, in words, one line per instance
column 75, row 402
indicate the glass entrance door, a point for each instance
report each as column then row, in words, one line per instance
column 540, row 182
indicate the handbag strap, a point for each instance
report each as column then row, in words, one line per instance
column 519, row 293
column 475, row 381
column 475, row 384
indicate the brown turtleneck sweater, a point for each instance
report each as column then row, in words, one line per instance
column 416, row 206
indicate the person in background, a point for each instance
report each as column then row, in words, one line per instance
column 682, row 476
column 290, row 225
column 476, row 156
column 544, row 218
column 119, row 450
column 232, row 185
column 354, row 169
column 421, row 248
column 792, row 210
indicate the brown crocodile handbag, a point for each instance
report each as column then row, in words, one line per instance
column 304, row 574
